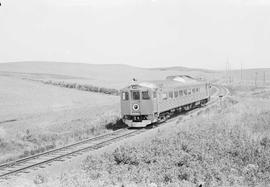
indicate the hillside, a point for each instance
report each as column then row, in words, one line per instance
column 112, row 76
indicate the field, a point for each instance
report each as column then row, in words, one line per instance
column 35, row 117
column 228, row 145
column 48, row 105
column 39, row 111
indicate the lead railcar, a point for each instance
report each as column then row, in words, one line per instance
column 143, row 103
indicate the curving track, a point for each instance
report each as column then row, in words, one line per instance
column 69, row 151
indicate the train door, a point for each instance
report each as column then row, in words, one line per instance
column 155, row 101
column 125, row 103
column 135, row 106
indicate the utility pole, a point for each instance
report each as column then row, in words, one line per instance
column 230, row 72
column 256, row 74
column 226, row 73
column 228, row 66
column 241, row 72
column 264, row 78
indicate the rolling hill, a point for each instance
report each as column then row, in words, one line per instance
column 112, row 76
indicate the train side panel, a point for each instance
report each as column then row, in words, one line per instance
column 147, row 107
column 168, row 101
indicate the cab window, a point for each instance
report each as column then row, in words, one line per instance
column 136, row 95
column 145, row 95
column 125, row 96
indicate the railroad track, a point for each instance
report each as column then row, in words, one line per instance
column 60, row 154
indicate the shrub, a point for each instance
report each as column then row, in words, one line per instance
column 83, row 87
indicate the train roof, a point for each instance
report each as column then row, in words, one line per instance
column 170, row 81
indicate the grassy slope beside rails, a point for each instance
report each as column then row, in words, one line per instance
column 47, row 117
column 224, row 146
column 27, row 143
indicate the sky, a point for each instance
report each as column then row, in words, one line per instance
column 144, row 33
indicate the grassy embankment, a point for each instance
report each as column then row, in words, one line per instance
column 225, row 146
column 26, row 143
column 39, row 126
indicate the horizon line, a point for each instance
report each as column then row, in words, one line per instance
column 153, row 67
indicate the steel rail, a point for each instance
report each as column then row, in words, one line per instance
column 55, row 158
column 59, row 149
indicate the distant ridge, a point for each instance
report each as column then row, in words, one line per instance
column 14, row 64
column 59, row 63
column 181, row 68
column 170, row 68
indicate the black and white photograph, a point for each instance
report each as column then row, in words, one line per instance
column 134, row 93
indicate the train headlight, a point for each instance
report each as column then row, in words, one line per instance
column 136, row 107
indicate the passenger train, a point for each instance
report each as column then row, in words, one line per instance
column 144, row 103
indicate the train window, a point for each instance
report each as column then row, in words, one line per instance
column 164, row 96
column 193, row 90
column 170, row 94
column 145, row 95
column 181, row 93
column 185, row 92
column 125, row 96
column 135, row 95
column 154, row 94
column 197, row 89
column 175, row 94
column 189, row 91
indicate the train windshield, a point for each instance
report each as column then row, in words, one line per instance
column 145, row 95
column 135, row 95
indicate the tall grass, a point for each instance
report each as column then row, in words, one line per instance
column 28, row 143
column 225, row 147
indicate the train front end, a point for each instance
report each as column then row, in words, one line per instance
column 138, row 103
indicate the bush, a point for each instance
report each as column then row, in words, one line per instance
column 83, row 87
